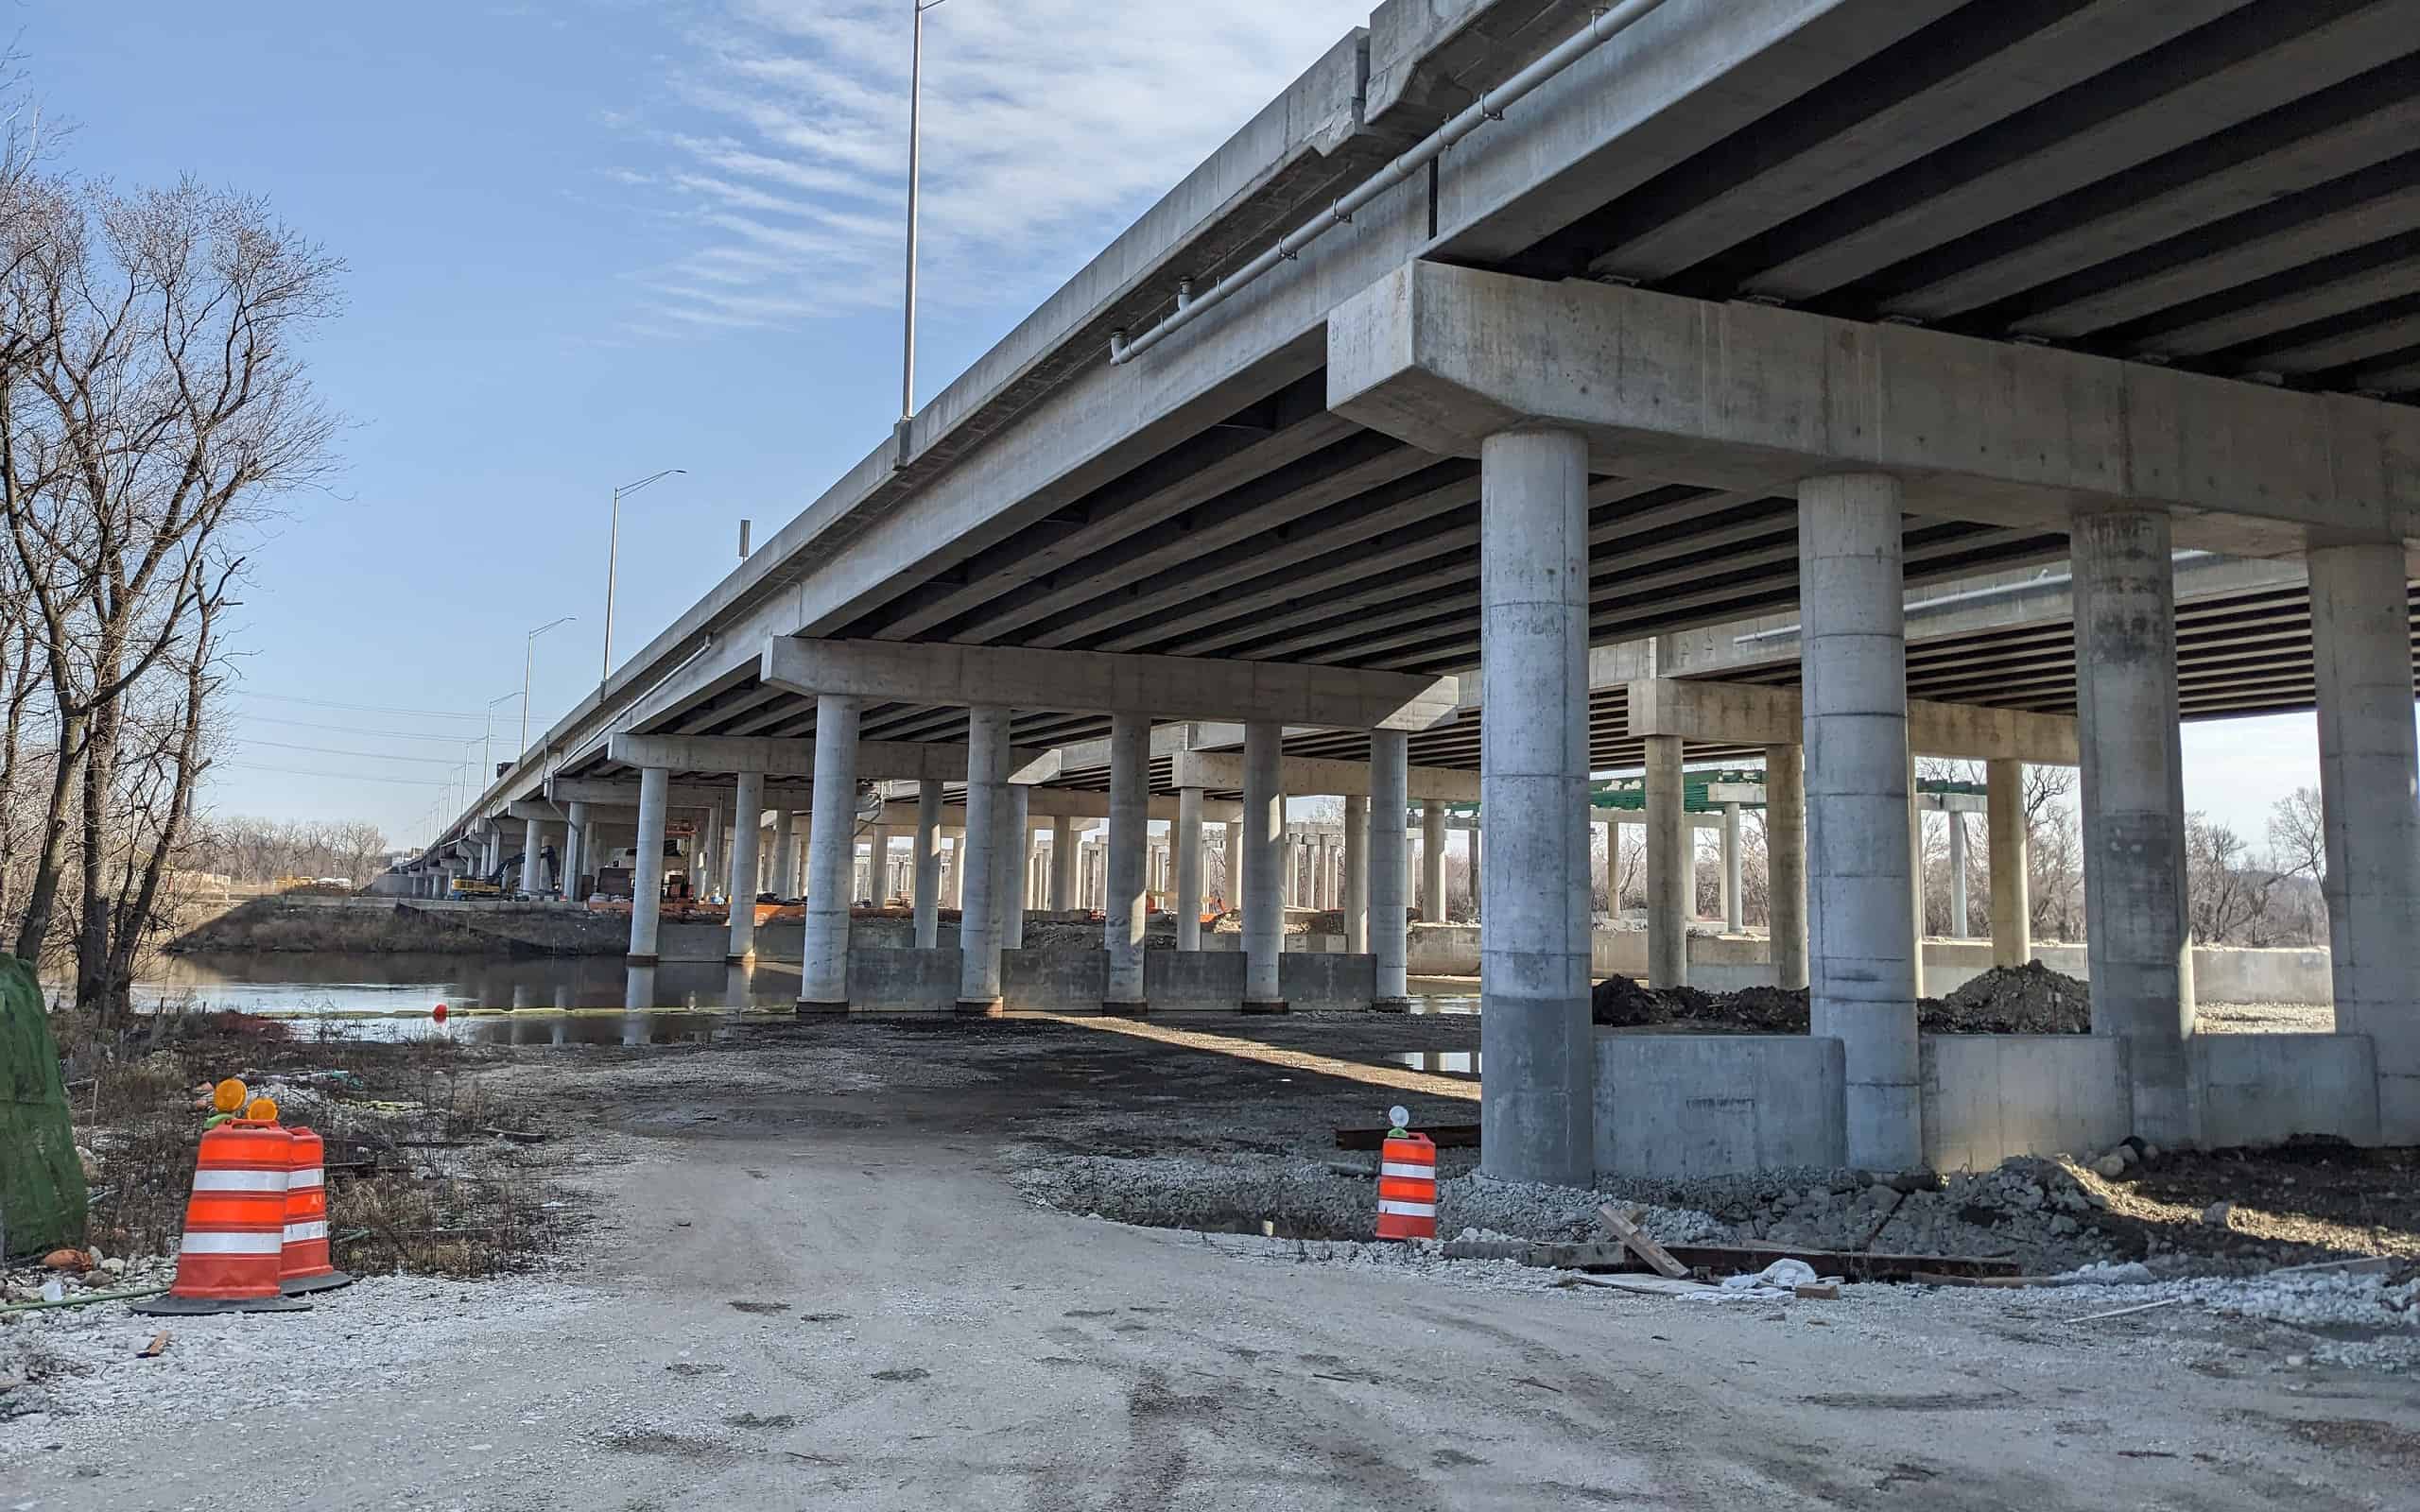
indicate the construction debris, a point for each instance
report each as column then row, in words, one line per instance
column 1647, row 1249
column 2029, row 999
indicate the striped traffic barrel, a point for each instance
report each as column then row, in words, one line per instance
column 1406, row 1187
column 303, row 1264
column 234, row 1237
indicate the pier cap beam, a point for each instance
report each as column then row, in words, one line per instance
column 1746, row 713
column 1152, row 687
column 877, row 760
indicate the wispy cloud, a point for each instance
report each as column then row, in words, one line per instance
column 779, row 161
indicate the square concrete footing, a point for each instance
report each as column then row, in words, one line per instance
column 979, row 1008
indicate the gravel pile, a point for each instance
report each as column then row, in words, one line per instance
column 2034, row 1212
column 80, row 1379
column 2029, row 999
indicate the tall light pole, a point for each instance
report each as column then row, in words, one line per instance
column 612, row 559
column 487, row 754
column 915, row 155
column 528, row 654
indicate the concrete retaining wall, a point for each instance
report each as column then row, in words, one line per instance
column 1185, row 981
column 1058, row 981
column 2263, row 1089
column 1308, row 980
column 908, row 981
column 1676, row 1106
column 1987, row 1097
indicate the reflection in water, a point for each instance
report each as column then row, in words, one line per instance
column 1444, row 1062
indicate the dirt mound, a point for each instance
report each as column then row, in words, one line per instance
column 2029, row 999
column 1623, row 1004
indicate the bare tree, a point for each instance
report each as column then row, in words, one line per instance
column 152, row 400
column 2298, row 835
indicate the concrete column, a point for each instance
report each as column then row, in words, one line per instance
column 533, row 875
column 1852, row 655
column 749, row 814
column 1475, row 842
column 831, row 859
column 1016, row 863
column 1062, row 863
column 1129, row 796
column 1786, row 862
column 1958, row 929
column 2011, row 907
column 575, row 852
column 1915, row 880
column 1188, row 869
column 1432, row 862
column 1671, row 866
column 2361, row 645
column 878, row 872
column 1611, row 834
column 647, row 876
column 785, row 851
column 1733, row 896
column 1356, row 876
column 1536, row 1103
column 1389, row 850
column 2139, row 946
column 928, row 853
column 954, row 891
column 979, row 930
column 1264, row 854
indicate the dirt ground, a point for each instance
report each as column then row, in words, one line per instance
column 818, row 1275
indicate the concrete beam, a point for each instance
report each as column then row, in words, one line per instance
column 1222, row 771
column 1064, row 802
column 1750, row 397
column 1753, row 794
column 625, row 792
column 877, row 760
column 1154, row 687
column 1742, row 713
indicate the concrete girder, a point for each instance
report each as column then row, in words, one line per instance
column 1752, row 713
column 1749, row 397
column 2286, row 57
column 1980, row 74
column 1159, row 687
column 1222, row 771
column 877, row 760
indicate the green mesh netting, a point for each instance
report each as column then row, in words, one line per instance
column 42, row 1183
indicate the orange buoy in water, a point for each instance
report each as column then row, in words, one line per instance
column 438, row 1013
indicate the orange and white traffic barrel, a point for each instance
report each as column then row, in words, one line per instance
column 234, row 1237
column 1407, row 1182
column 303, row 1264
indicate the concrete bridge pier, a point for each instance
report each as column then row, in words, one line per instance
column 979, row 929
column 2004, row 837
column 1017, row 858
column 1432, row 862
column 748, row 816
column 1534, row 1030
column 1263, row 858
column 784, row 853
column 1390, row 868
column 1854, row 655
column 2361, row 645
column 2139, row 941
column 1786, row 862
column 1355, row 887
column 1062, row 863
column 1671, row 869
column 646, row 872
column 831, row 857
column 928, row 853
column 1188, row 869
column 575, row 852
column 1130, row 794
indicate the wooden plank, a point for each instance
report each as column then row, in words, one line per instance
column 1649, row 1251
column 1445, row 1136
column 1641, row 1285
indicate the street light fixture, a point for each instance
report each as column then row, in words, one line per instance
column 612, row 559
column 528, row 654
column 915, row 155
column 487, row 754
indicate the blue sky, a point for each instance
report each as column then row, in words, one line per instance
column 590, row 239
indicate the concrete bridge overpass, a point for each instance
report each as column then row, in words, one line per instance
column 1677, row 314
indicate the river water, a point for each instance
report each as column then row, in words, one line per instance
column 509, row 1000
